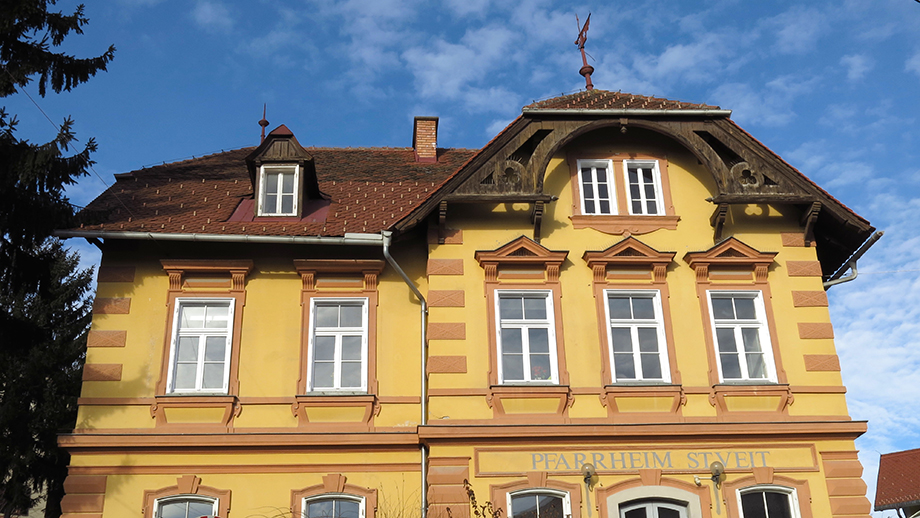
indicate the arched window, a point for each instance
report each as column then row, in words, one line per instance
column 653, row 509
column 539, row 503
column 185, row 506
column 333, row 506
column 768, row 502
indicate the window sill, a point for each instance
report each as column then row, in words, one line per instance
column 622, row 224
column 195, row 411
column 336, row 411
column 636, row 401
column 751, row 399
column 530, row 402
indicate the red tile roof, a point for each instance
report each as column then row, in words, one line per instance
column 369, row 189
column 898, row 480
column 605, row 100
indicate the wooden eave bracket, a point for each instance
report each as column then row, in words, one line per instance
column 537, row 218
column 808, row 221
column 717, row 220
column 442, row 221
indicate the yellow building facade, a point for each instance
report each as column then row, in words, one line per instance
column 616, row 308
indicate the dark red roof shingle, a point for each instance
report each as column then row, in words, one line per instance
column 605, row 100
column 898, row 479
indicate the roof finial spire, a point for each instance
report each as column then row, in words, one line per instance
column 586, row 69
column 263, row 123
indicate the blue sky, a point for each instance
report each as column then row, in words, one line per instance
column 832, row 86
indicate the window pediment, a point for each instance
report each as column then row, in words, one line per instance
column 731, row 255
column 522, row 253
column 628, row 253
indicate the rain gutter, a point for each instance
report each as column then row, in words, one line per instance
column 850, row 265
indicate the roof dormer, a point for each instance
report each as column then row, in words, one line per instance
column 283, row 176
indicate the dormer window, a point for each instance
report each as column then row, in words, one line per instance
column 278, row 190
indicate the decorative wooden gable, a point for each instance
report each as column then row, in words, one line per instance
column 522, row 254
column 731, row 255
column 629, row 253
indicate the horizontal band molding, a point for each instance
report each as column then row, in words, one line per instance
column 244, row 469
column 106, row 338
column 803, row 268
column 445, row 266
column 102, row 372
column 116, row 274
column 447, row 330
column 446, row 298
column 816, row 330
column 111, row 306
column 822, row 363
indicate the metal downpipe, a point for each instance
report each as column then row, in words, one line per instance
column 424, row 362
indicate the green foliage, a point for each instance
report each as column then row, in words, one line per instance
column 27, row 34
column 44, row 308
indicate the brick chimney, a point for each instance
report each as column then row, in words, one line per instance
column 425, row 139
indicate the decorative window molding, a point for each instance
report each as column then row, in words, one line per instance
column 334, row 488
column 733, row 267
column 537, row 483
column 632, row 267
column 651, row 486
column 279, row 188
column 526, row 269
column 187, row 488
column 203, row 284
column 653, row 509
column 539, row 503
column 337, row 288
column 618, row 205
column 796, row 493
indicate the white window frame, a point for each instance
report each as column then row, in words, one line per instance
column 338, row 333
column 333, row 496
column 564, row 495
column 185, row 498
column 793, row 497
column 759, row 323
column 656, row 180
column 634, row 325
column 611, row 187
column 548, row 323
column 280, row 169
column 651, row 507
column 203, row 333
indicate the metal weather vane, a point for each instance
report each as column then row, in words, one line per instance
column 586, row 69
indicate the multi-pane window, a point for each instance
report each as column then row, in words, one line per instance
column 278, row 194
column 186, row 507
column 643, row 187
column 526, row 337
column 653, row 509
column 338, row 344
column 539, row 504
column 637, row 341
column 768, row 503
column 741, row 335
column 333, row 507
column 200, row 355
column 597, row 187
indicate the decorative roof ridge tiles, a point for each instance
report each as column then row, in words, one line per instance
column 607, row 100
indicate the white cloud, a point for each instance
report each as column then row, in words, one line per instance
column 857, row 65
column 755, row 107
column 212, row 16
column 913, row 64
column 468, row 7
column 797, row 30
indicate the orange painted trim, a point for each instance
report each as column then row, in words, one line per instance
column 187, row 485
column 366, row 401
column 732, row 254
column 803, row 268
column 106, row 338
column 499, row 394
column 115, row 274
column 809, row 299
column 447, row 330
column 230, row 405
column 721, row 392
column 102, row 372
column 793, row 239
column 613, row 393
column 816, row 330
column 822, row 362
column 625, row 225
column 293, row 438
column 446, row 298
column 112, row 306
column 445, row 267
column 334, row 483
column 244, row 469
column 446, row 364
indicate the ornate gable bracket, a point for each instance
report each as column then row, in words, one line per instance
column 629, row 252
column 731, row 254
column 808, row 221
column 522, row 252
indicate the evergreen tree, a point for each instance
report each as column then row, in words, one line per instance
column 44, row 309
